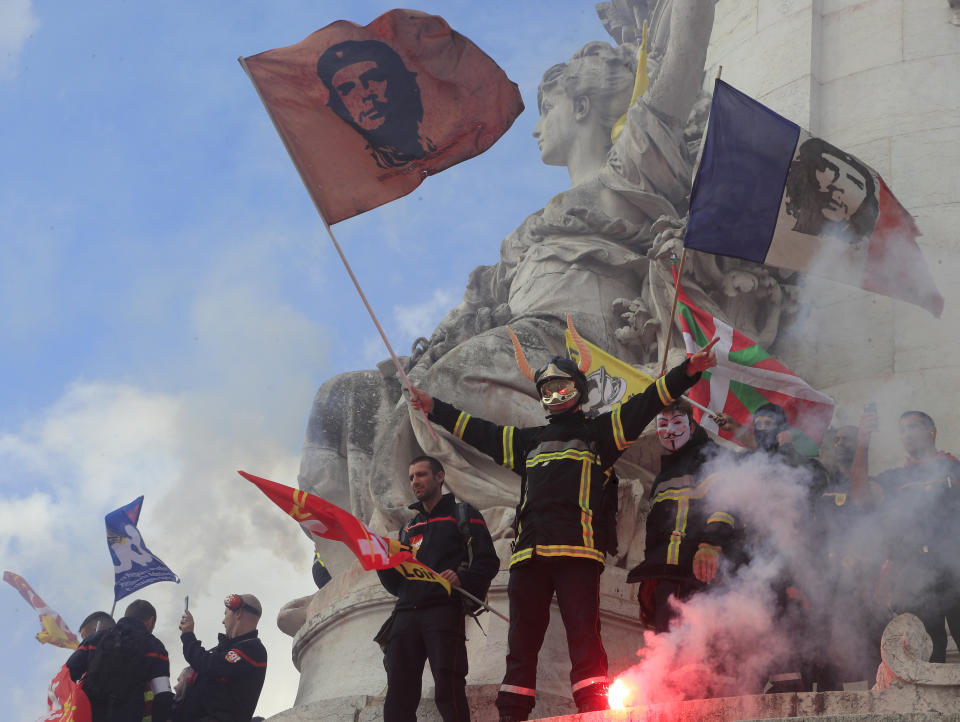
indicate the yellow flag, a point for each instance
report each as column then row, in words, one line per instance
column 414, row 571
column 610, row 381
column 640, row 85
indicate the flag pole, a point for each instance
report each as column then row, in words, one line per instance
column 486, row 606
column 343, row 258
column 676, row 286
column 673, row 312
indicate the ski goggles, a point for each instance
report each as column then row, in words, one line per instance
column 234, row 602
column 557, row 391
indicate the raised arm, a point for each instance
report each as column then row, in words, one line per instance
column 675, row 88
column 500, row 443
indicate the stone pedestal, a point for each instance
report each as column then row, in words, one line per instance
column 341, row 668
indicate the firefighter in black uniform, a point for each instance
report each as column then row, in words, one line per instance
column 229, row 676
column 563, row 468
column 685, row 532
column 427, row 623
column 118, row 665
column 920, row 508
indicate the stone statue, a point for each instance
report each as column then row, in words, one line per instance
column 598, row 251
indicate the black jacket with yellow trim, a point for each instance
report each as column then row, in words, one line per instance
column 682, row 513
column 566, row 464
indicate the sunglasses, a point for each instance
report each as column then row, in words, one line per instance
column 234, row 602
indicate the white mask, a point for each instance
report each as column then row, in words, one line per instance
column 673, row 429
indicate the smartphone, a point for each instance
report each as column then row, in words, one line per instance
column 871, row 407
column 186, row 603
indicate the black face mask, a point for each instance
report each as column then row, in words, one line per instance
column 767, row 438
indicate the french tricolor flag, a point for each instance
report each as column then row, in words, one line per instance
column 767, row 191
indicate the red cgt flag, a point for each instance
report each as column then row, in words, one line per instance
column 329, row 521
column 66, row 700
column 368, row 112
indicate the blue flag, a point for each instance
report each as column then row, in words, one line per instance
column 768, row 191
column 134, row 566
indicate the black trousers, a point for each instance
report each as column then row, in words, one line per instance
column 435, row 634
column 532, row 585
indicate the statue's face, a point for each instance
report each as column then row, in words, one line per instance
column 555, row 129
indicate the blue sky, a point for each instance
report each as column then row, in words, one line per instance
column 169, row 301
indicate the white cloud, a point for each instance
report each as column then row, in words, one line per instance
column 17, row 23
column 421, row 319
column 102, row 445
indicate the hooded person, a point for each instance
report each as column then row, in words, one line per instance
column 773, row 436
column 686, row 533
column 563, row 468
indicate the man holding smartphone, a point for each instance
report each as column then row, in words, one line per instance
column 229, row 677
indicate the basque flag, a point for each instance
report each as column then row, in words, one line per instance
column 368, row 112
column 767, row 191
column 747, row 376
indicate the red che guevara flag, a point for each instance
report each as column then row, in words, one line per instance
column 328, row 521
column 368, row 112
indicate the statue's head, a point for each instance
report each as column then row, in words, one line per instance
column 595, row 87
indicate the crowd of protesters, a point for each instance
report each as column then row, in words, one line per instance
column 124, row 671
column 851, row 551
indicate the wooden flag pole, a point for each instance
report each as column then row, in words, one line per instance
column 373, row 317
column 673, row 312
column 676, row 286
column 303, row 177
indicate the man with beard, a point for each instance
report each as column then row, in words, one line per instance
column 428, row 622
column 921, row 505
column 564, row 467
column 685, row 534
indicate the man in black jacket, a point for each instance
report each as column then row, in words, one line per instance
column 685, row 531
column 920, row 507
column 117, row 665
column 229, row 676
column 563, row 467
column 428, row 623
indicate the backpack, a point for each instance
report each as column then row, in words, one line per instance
column 470, row 607
column 114, row 673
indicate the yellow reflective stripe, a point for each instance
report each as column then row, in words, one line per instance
column 586, row 515
column 665, row 398
column 521, row 555
column 676, row 536
column 575, row 454
column 697, row 492
column 508, row 446
column 619, row 437
column 722, row 516
column 461, row 425
column 557, row 550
